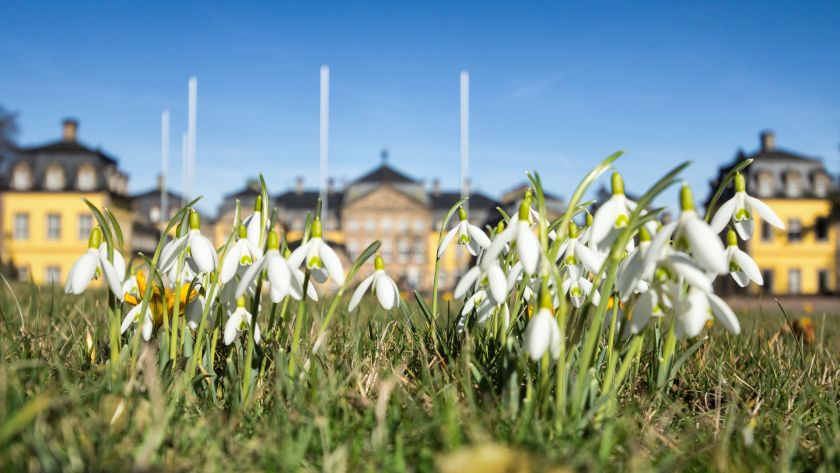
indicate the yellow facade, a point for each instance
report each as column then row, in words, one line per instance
column 45, row 256
column 787, row 259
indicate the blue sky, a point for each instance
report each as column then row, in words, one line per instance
column 555, row 86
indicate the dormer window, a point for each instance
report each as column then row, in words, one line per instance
column 765, row 184
column 793, row 184
column 821, row 184
column 54, row 178
column 86, row 177
column 22, row 177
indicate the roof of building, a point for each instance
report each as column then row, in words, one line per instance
column 445, row 200
column 62, row 147
column 307, row 199
column 155, row 193
column 385, row 174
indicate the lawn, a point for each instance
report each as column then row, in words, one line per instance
column 380, row 397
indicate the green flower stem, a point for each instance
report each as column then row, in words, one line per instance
column 298, row 325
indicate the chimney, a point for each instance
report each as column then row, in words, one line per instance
column 436, row 186
column 69, row 127
column 330, row 185
column 768, row 140
column 299, row 185
column 160, row 182
column 253, row 184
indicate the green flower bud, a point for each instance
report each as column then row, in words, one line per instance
column 686, row 198
column 195, row 220
column 258, row 204
column 617, row 184
column 316, row 230
column 731, row 238
column 95, row 238
column 525, row 207
column 573, row 230
column 243, row 231
column 740, row 183
column 644, row 234
column 378, row 262
column 273, row 240
column 240, row 302
column 462, row 214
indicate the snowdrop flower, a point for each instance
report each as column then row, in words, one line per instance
column 487, row 272
column 132, row 317
column 129, row 286
column 629, row 279
column 194, row 312
column 649, row 304
column 277, row 271
column 201, row 251
column 118, row 263
column 543, row 333
column 238, row 323
column 483, row 306
column 739, row 209
column 298, row 278
column 321, row 260
column 578, row 290
column 243, row 253
column 577, row 255
column 742, row 267
column 380, row 284
column 611, row 217
column 86, row 268
column 694, row 310
column 692, row 233
column 254, row 224
column 586, row 234
column 527, row 244
column 470, row 236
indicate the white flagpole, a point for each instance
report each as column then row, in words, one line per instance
column 465, row 135
column 184, row 168
column 164, row 165
column 324, row 143
column 193, row 93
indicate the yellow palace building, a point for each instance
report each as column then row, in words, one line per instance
column 802, row 258
column 44, row 223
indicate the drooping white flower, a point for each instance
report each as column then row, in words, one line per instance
column 85, row 269
column 242, row 253
column 578, row 256
column 692, row 233
column 542, row 333
column 321, row 260
column 520, row 232
column 276, row 268
column 118, row 261
column 649, row 304
column 380, row 284
column 194, row 312
column 238, row 323
column 742, row 267
column 132, row 317
column 697, row 307
column 201, row 251
column 578, row 290
column 256, row 227
column 486, row 273
column 740, row 210
column 470, row 236
column 611, row 217
column 629, row 279
column 482, row 304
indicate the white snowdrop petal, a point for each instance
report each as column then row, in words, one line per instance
column 723, row 215
column 384, row 291
column 604, row 220
column 360, row 292
column 724, row 314
column 693, row 314
column 538, row 334
column 745, row 228
column 202, row 252
column 748, row 266
column 299, row 254
column 252, row 228
column 114, row 281
column 83, row 271
column 690, row 271
column 148, row 327
column 765, row 212
column 642, row 312
column 705, row 245
column 444, row 244
column 277, row 271
column 654, row 253
column 478, row 236
column 249, row 277
column 466, row 282
column 232, row 327
column 588, row 258
column 528, row 247
column 498, row 244
column 332, row 263
column 498, row 284
column 129, row 318
column 230, row 264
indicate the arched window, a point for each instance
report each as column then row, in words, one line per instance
column 21, row 177
column 86, row 177
column 54, row 177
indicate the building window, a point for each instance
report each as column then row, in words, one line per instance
column 352, row 225
column 765, row 185
column 23, row 273
column 823, row 280
column 52, row 275
column 794, row 230
column 404, row 250
column 792, row 185
column 821, row 185
column 386, row 224
column 54, row 179
column 821, row 229
column 403, row 225
column 794, row 281
column 766, row 232
column 419, row 251
column 22, row 177
column 86, row 178
column 419, row 225
column 386, row 249
column 85, row 226
column 767, row 275
column 154, row 214
column 20, row 231
column 370, row 225
column 53, row 226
